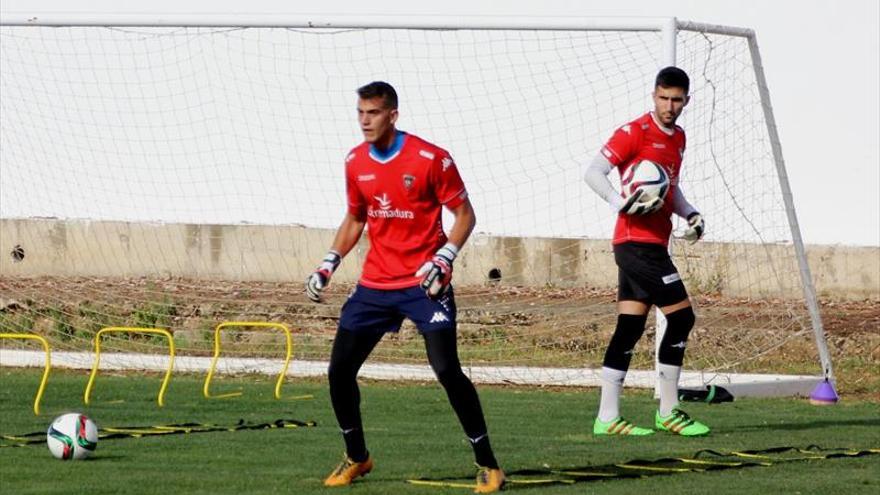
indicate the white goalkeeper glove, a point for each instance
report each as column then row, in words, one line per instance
column 320, row 278
column 696, row 227
column 436, row 273
column 634, row 206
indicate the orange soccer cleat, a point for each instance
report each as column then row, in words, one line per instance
column 347, row 471
column 489, row 480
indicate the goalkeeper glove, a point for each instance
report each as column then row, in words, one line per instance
column 696, row 227
column 320, row 278
column 436, row 273
column 635, row 207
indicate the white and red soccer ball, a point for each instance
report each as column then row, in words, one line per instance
column 72, row 436
column 648, row 176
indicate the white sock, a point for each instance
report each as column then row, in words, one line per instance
column 612, row 385
column 667, row 378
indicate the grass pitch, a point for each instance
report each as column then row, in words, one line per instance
column 412, row 432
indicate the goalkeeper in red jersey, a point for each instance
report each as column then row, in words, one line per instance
column 397, row 185
column 646, row 274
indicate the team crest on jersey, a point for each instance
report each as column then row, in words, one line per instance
column 408, row 181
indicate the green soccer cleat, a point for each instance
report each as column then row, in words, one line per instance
column 681, row 424
column 619, row 426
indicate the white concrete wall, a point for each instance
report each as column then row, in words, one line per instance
column 283, row 253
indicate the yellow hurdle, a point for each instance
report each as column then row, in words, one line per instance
column 41, row 340
column 157, row 331
column 245, row 324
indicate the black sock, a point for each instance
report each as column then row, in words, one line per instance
column 483, row 454
column 678, row 327
column 443, row 356
column 627, row 333
column 355, row 446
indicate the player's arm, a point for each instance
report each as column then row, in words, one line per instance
column 347, row 236
column 596, row 176
column 465, row 220
column 436, row 273
column 682, row 208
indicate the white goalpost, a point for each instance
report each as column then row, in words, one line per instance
column 180, row 171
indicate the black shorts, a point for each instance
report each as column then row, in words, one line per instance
column 646, row 274
column 375, row 310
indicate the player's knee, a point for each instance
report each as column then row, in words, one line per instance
column 448, row 372
column 340, row 371
column 627, row 333
column 678, row 328
column 334, row 373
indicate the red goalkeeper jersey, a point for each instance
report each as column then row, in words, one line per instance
column 645, row 139
column 400, row 193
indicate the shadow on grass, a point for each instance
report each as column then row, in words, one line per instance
column 701, row 461
column 811, row 425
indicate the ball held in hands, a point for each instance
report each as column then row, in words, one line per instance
column 635, row 205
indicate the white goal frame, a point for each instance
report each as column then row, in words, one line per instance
column 668, row 27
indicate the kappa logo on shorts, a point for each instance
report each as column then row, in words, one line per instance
column 439, row 317
column 674, row 277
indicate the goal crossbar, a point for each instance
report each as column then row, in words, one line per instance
column 283, row 20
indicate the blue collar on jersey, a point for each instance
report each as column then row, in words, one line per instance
column 392, row 151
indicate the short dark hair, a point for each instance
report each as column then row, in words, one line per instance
column 673, row 77
column 379, row 89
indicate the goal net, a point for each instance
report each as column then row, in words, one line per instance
column 180, row 177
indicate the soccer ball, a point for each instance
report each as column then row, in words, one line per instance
column 72, row 436
column 651, row 178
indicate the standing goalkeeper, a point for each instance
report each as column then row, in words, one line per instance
column 397, row 184
column 645, row 271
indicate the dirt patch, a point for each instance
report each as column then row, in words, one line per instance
column 502, row 325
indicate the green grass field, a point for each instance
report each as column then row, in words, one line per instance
column 412, row 433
